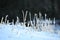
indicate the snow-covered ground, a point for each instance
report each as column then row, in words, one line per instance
column 18, row 32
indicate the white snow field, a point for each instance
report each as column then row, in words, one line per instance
column 18, row 32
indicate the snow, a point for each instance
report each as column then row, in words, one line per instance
column 18, row 32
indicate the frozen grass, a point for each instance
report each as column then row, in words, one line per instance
column 17, row 32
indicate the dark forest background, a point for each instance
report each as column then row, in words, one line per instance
column 13, row 8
